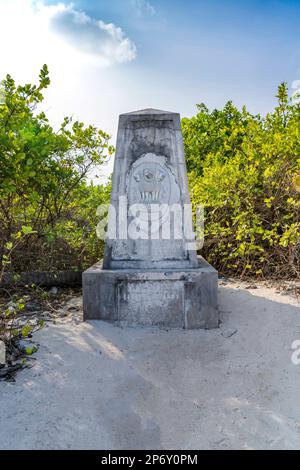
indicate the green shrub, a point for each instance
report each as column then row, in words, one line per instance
column 43, row 182
column 242, row 168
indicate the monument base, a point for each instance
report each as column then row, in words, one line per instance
column 168, row 298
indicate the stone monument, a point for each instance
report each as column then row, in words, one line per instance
column 151, row 274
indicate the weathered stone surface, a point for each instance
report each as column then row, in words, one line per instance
column 149, row 143
column 168, row 298
column 152, row 276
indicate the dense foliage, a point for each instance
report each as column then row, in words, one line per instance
column 43, row 183
column 244, row 170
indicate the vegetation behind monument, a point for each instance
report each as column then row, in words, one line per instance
column 242, row 167
column 245, row 170
column 43, row 183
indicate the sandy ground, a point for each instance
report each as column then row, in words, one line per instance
column 94, row 385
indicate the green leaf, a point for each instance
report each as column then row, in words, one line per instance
column 27, row 230
column 26, row 330
column 29, row 351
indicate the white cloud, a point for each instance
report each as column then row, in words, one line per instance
column 32, row 29
column 102, row 42
column 143, row 7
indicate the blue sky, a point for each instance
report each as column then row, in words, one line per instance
column 112, row 56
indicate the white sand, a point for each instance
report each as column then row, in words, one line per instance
column 98, row 386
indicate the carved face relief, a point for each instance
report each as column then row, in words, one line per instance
column 149, row 183
column 152, row 184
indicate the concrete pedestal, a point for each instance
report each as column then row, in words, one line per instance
column 170, row 298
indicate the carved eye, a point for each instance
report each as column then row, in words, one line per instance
column 137, row 177
column 148, row 175
column 160, row 176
